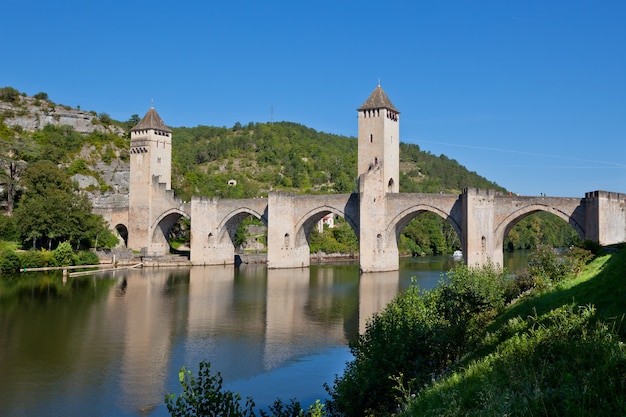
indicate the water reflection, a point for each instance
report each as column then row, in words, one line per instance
column 112, row 344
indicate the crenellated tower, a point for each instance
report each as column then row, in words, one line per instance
column 379, row 139
column 379, row 175
column 150, row 165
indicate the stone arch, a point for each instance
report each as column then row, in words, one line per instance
column 309, row 220
column 162, row 226
column 229, row 224
column 402, row 219
column 505, row 226
column 122, row 233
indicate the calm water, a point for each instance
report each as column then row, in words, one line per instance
column 112, row 344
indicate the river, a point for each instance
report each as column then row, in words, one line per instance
column 111, row 344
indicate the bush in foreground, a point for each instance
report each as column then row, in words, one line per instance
column 418, row 336
column 562, row 363
column 204, row 395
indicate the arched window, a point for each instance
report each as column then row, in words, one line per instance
column 390, row 185
column 287, row 243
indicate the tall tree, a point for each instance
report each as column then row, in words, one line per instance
column 51, row 211
column 15, row 150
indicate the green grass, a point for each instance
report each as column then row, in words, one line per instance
column 557, row 353
column 602, row 283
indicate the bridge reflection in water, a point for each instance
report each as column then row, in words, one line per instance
column 246, row 321
column 116, row 343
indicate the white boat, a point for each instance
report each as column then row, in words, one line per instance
column 457, row 254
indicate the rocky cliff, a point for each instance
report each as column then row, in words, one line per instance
column 31, row 114
column 106, row 183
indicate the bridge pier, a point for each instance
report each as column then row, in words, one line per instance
column 210, row 244
column 479, row 240
column 287, row 247
column 605, row 214
column 378, row 244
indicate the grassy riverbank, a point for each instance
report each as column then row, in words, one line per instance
column 556, row 352
column 546, row 342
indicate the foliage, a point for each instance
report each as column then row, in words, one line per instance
column 16, row 150
column 547, row 265
column 434, row 344
column 87, row 257
column 431, row 174
column 50, row 211
column 63, row 255
column 545, row 355
column 9, row 262
column 36, row 259
column 541, row 228
column 180, row 233
column 8, row 228
column 241, row 234
column 291, row 157
column 428, row 234
column 41, row 96
column 418, row 335
column 204, row 395
column 339, row 239
column 58, row 143
column 9, row 94
column 561, row 363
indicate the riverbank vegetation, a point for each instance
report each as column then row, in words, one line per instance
column 549, row 341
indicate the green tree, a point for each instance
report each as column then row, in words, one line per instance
column 51, row 211
column 15, row 151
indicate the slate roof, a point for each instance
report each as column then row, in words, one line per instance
column 151, row 120
column 378, row 100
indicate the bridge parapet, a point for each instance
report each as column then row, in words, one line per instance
column 606, row 194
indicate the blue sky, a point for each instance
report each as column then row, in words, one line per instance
column 530, row 94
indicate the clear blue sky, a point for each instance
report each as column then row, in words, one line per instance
column 530, row 94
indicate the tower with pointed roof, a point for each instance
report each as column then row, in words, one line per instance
column 151, row 150
column 379, row 138
column 150, row 169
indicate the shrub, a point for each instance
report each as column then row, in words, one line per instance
column 87, row 258
column 10, row 262
column 64, row 254
column 402, row 341
column 41, row 96
column 9, row 94
column 203, row 396
column 33, row 259
column 79, row 166
column 418, row 336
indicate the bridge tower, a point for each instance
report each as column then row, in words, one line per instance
column 150, row 164
column 379, row 175
column 379, row 138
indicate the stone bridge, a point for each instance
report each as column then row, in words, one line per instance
column 481, row 218
column 377, row 213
